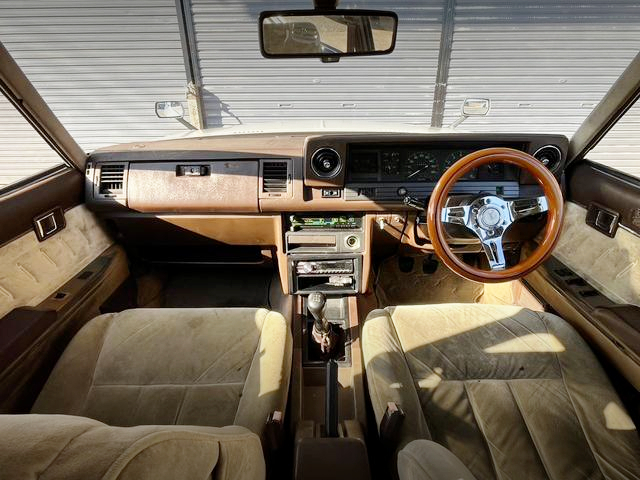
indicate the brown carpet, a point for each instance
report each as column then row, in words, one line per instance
column 394, row 287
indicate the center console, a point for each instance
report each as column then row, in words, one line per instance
column 325, row 253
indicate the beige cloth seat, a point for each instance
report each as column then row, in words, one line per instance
column 171, row 376
column 47, row 447
column 511, row 393
column 205, row 366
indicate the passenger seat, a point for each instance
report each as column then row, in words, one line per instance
column 206, row 367
column 63, row 447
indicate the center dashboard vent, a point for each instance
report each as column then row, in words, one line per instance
column 276, row 177
column 550, row 156
column 112, row 179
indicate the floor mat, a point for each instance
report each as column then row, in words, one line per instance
column 415, row 287
column 235, row 286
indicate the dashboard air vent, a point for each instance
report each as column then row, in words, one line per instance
column 111, row 183
column 275, row 176
column 550, row 156
column 326, row 163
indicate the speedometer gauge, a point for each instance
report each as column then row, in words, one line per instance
column 422, row 166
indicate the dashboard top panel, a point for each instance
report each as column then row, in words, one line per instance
column 376, row 171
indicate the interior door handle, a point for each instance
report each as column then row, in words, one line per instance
column 49, row 223
column 602, row 219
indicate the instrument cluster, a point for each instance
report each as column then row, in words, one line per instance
column 420, row 163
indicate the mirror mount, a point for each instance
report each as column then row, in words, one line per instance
column 325, row 4
column 472, row 107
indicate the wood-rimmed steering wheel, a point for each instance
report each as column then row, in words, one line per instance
column 489, row 216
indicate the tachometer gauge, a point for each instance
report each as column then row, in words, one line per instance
column 422, row 166
column 453, row 157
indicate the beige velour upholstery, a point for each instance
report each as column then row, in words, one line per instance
column 30, row 270
column 510, row 392
column 208, row 367
column 428, row 460
column 52, row 447
column 609, row 264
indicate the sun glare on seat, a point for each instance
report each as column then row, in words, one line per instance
column 531, row 343
column 616, row 418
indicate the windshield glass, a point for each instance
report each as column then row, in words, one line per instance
column 101, row 66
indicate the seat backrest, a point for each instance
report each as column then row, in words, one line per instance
column 68, row 447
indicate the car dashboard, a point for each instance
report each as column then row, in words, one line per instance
column 323, row 204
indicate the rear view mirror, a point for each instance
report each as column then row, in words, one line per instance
column 327, row 35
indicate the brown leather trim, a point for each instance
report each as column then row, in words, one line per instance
column 440, row 193
column 589, row 182
column 19, row 329
column 17, row 209
column 622, row 322
column 38, row 349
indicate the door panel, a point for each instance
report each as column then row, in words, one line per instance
column 610, row 265
column 589, row 182
column 593, row 279
column 50, row 288
column 18, row 208
column 30, row 270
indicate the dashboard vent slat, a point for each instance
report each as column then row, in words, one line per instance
column 275, row 176
column 111, row 181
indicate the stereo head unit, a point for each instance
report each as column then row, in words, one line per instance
column 339, row 222
column 325, row 267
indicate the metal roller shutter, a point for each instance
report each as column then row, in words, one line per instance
column 543, row 64
column 238, row 81
column 100, row 65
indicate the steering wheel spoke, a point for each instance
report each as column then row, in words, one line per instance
column 458, row 215
column 495, row 252
column 524, row 207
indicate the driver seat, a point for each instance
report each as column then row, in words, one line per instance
column 508, row 392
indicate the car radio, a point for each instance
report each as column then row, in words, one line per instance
column 304, row 222
column 325, row 252
column 324, row 267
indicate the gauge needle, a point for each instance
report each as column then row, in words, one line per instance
column 418, row 171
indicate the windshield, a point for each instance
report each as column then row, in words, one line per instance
column 101, row 66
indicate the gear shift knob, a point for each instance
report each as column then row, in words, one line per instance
column 316, row 303
column 321, row 331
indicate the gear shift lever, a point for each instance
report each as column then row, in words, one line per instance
column 321, row 327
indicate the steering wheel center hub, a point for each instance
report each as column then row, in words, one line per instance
column 489, row 217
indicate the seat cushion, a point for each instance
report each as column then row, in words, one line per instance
column 52, row 447
column 511, row 392
column 427, row 460
column 213, row 367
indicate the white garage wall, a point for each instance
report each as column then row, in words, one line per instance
column 395, row 88
column 620, row 147
column 22, row 152
column 100, row 65
column 545, row 64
